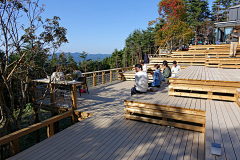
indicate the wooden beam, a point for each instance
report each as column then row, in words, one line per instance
column 166, row 123
column 34, row 127
column 164, row 114
column 165, row 108
column 207, row 96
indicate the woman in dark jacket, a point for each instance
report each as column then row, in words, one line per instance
column 166, row 71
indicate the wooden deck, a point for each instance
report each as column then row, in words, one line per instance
column 209, row 83
column 222, row 119
column 108, row 135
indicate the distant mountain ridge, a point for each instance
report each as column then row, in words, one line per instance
column 90, row 56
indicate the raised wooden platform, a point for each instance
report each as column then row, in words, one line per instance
column 222, row 119
column 202, row 55
column 209, row 83
column 163, row 109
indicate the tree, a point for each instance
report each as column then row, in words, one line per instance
column 18, row 60
column 72, row 65
column 197, row 12
column 220, row 9
column 175, row 31
column 84, row 56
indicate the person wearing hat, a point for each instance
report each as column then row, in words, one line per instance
column 234, row 42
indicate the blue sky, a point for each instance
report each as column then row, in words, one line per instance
column 100, row 26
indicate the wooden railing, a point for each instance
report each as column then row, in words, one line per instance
column 13, row 138
column 101, row 77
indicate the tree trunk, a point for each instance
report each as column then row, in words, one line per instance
column 218, row 12
column 196, row 36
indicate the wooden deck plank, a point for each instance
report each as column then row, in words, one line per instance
column 170, row 146
column 109, row 150
column 183, row 145
column 74, row 149
column 177, row 145
column 195, row 149
column 138, row 145
column 144, row 148
column 160, row 153
column 157, row 141
column 188, row 151
column 98, row 147
column 201, row 141
column 209, row 133
column 127, row 144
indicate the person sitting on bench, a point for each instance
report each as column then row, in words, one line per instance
column 175, row 68
column 157, row 77
column 166, row 72
column 141, row 81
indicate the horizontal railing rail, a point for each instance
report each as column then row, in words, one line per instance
column 13, row 138
column 104, row 76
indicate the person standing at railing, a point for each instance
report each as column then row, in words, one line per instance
column 234, row 42
column 141, row 81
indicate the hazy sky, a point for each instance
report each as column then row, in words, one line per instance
column 100, row 26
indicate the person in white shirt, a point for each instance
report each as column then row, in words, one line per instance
column 144, row 66
column 141, row 81
column 175, row 68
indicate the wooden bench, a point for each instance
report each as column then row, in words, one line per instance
column 223, row 62
column 167, row 110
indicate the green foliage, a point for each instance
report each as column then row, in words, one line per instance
column 220, row 9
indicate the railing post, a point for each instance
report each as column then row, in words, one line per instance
column 50, row 130
column 15, row 146
column 117, row 74
column 52, row 98
column 111, row 73
column 37, row 136
column 74, row 102
column 103, row 77
column 94, row 79
column 84, row 86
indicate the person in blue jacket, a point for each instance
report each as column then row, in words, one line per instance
column 157, row 77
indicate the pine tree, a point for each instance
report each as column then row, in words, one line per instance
column 220, row 9
column 197, row 12
column 72, row 65
column 84, row 56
